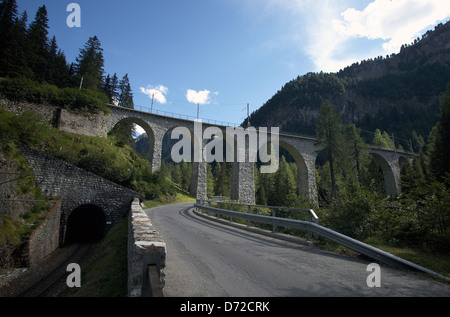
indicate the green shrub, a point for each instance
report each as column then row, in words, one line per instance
column 82, row 100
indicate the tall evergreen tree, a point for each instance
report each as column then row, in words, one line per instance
column 90, row 63
column 8, row 18
column 111, row 88
column 440, row 143
column 209, row 181
column 14, row 56
column 329, row 133
column 356, row 149
column 38, row 56
column 58, row 69
column 284, row 193
column 383, row 140
column 126, row 95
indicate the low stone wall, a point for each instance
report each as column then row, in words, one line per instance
column 145, row 247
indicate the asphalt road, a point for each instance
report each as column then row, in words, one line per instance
column 205, row 258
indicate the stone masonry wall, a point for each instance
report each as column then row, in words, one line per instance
column 45, row 239
column 91, row 125
column 145, row 247
column 76, row 187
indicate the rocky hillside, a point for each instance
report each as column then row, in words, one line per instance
column 399, row 93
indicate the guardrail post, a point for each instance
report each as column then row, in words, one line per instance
column 231, row 208
column 274, row 227
column 248, row 211
column 308, row 217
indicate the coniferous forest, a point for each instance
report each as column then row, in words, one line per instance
column 33, row 68
column 351, row 194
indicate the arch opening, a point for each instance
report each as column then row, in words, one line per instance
column 137, row 133
column 390, row 182
column 292, row 169
column 85, row 223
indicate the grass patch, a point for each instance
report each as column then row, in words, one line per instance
column 178, row 198
column 436, row 262
column 105, row 274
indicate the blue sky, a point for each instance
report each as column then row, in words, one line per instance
column 225, row 54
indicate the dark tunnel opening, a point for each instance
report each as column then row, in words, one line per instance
column 85, row 224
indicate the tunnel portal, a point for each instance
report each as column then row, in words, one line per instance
column 85, row 223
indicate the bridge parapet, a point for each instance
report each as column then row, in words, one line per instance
column 146, row 255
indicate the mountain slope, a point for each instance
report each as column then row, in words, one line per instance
column 398, row 93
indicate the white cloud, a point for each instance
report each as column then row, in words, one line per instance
column 139, row 129
column 157, row 92
column 326, row 48
column 333, row 34
column 396, row 22
column 199, row 97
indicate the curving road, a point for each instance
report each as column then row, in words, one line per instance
column 206, row 258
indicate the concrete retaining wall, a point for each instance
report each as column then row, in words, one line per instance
column 145, row 247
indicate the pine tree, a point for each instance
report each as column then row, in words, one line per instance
column 176, row 174
column 8, row 16
column 383, row 140
column 329, row 132
column 14, row 56
column 89, row 67
column 125, row 95
column 356, row 149
column 186, row 171
column 440, row 142
column 39, row 45
column 58, row 73
column 283, row 193
column 111, row 88
column 9, row 41
column 222, row 179
column 209, row 181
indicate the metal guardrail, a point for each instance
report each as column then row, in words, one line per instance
column 177, row 115
column 310, row 214
column 315, row 228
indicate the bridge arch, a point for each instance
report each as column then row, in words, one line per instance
column 390, row 163
column 154, row 137
column 304, row 182
column 305, row 169
column 390, row 181
column 85, row 223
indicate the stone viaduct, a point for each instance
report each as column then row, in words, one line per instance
column 303, row 150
